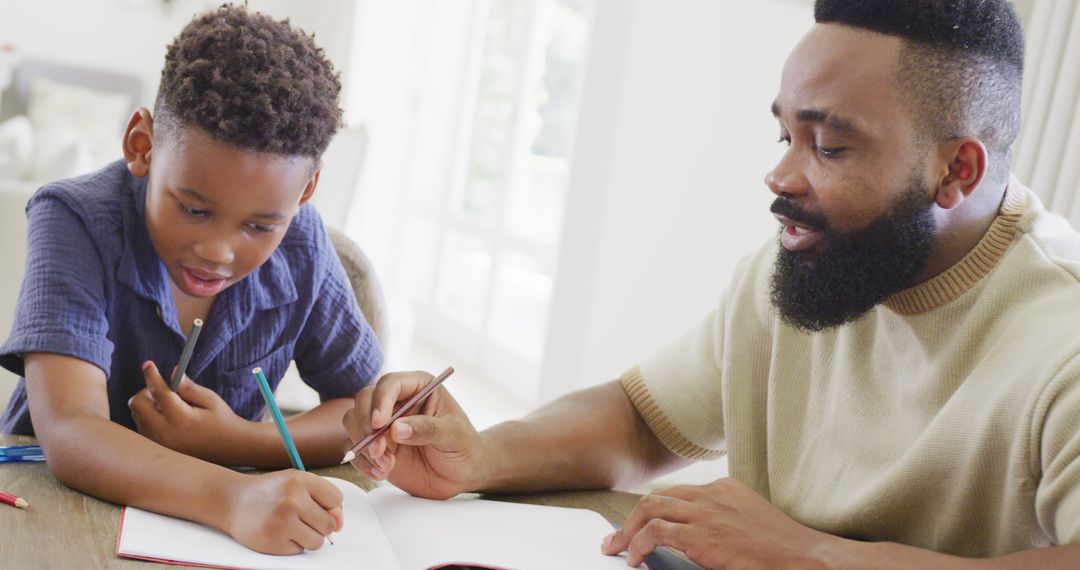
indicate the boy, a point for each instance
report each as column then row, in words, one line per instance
column 202, row 220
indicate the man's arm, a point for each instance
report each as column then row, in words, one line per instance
column 279, row 513
column 593, row 438
column 726, row 524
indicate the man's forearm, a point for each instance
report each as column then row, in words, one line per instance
column 844, row 554
column 593, row 438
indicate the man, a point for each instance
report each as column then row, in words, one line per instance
column 897, row 381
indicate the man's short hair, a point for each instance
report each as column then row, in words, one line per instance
column 962, row 61
column 249, row 81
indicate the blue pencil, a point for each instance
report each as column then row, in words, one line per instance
column 290, row 447
column 20, row 453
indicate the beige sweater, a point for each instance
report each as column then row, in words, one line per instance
column 946, row 418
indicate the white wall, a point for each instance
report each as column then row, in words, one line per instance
column 130, row 36
column 683, row 197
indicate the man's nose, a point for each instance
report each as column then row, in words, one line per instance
column 788, row 178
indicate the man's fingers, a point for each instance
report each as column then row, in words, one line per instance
column 654, row 535
column 652, row 507
column 393, row 388
column 426, row 430
column 357, row 419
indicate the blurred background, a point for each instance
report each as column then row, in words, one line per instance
column 547, row 190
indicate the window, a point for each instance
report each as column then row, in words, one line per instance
column 490, row 111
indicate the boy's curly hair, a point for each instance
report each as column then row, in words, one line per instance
column 250, row 81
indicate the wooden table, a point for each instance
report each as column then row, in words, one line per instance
column 67, row 529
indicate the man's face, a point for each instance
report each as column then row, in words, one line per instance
column 852, row 196
column 216, row 212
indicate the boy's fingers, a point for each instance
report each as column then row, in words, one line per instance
column 324, row 493
column 163, row 396
column 339, row 516
column 196, row 394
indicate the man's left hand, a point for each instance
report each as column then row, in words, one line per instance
column 723, row 524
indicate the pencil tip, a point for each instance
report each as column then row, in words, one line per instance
column 348, row 457
column 22, row 504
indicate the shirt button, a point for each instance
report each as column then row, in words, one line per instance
column 158, row 308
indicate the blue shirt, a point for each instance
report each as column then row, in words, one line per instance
column 96, row 290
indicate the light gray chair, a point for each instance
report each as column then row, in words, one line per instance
column 361, row 274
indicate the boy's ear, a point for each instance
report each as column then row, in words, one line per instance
column 309, row 190
column 964, row 163
column 138, row 140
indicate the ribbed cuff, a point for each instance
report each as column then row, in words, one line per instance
column 671, row 437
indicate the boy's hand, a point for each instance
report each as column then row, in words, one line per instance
column 433, row 451
column 284, row 512
column 192, row 420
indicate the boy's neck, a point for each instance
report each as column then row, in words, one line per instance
column 189, row 308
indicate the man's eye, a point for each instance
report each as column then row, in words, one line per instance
column 784, row 138
column 830, row 152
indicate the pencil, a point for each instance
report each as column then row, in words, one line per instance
column 20, row 453
column 185, row 356
column 279, row 421
column 411, row 403
column 13, row 500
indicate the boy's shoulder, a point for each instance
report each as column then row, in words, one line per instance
column 98, row 198
column 306, row 245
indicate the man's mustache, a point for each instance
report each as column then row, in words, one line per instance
column 791, row 210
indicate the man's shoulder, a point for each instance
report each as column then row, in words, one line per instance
column 1053, row 243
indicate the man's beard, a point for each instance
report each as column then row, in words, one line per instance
column 847, row 274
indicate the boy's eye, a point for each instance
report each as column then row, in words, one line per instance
column 194, row 212
column 262, row 228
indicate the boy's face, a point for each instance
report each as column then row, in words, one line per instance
column 216, row 212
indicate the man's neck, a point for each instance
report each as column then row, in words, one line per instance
column 962, row 229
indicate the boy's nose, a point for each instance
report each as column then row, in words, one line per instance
column 215, row 251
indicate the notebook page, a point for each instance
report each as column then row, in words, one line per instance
column 428, row 534
column 360, row 545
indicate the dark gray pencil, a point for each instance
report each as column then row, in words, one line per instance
column 185, row 356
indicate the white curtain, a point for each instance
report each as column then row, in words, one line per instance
column 1047, row 154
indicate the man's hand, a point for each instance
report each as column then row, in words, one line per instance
column 720, row 525
column 284, row 512
column 194, row 420
column 432, row 451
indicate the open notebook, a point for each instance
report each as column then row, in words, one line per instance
column 387, row 529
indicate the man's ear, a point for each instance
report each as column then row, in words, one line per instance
column 309, row 190
column 138, row 141
column 964, row 164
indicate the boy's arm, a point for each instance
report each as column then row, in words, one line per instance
column 278, row 513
